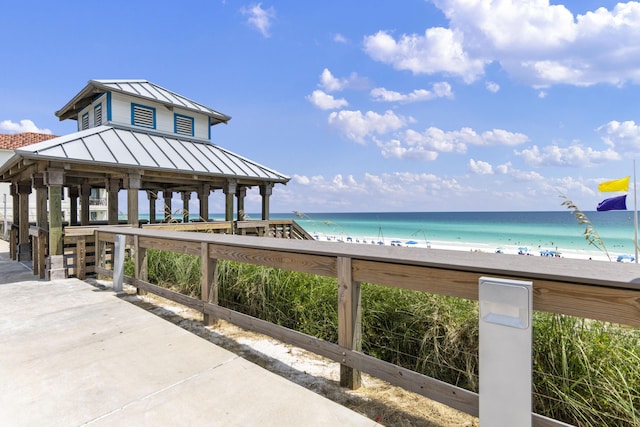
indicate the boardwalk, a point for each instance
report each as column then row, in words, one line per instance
column 73, row 354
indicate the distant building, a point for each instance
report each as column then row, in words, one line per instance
column 9, row 143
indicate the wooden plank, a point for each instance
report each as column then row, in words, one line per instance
column 185, row 300
column 448, row 394
column 418, row 278
column 209, row 280
column 172, row 245
column 313, row 264
column 81, row 251
column 349, row 320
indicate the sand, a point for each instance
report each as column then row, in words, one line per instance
column 594, row 254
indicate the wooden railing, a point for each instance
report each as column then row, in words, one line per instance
column 594, row 290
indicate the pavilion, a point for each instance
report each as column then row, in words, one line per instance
column 136, row 136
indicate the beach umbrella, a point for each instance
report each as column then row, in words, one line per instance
column 411, row 242
column 625, row 258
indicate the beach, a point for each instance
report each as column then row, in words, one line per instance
column 507, row 250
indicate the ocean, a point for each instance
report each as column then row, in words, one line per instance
column 535, row 230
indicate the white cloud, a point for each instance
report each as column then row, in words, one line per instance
column 492, row 87
column 534, row 41
column 339, row 38
column 357, row 126
column 24, row 126
column 480, row 168
column 459, row 140
column 623, row 137
column 574, row 156
column 325, row 101
column 439, row 50
column 439, row 90
column 330, row 83
column 259, row 18
column 395, row 149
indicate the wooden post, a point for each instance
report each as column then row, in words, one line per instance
column 85, row 194
column 265, row 192
column 241, row 193
column 186, row 196
column 229, row 191
column 54, row 179
column 37, row 181
column 349, row 320
column 152, row 196
column 73, row 205
column 203, row 196
column 209, row 285
column 140, row 260
column 113, row 187
column 166, row 198
column 81, row 257
column 132, row 184
column 24, row 248
column 15, row 216
column 41, row 261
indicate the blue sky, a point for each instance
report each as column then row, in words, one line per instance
column 413, row 105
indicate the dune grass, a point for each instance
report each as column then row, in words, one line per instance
column 586, row 372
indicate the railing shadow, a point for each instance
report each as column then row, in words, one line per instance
column 371, row 401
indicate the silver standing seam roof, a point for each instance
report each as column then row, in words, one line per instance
column 139, row 149
column 141, row 89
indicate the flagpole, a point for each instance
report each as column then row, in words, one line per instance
column 635, row 211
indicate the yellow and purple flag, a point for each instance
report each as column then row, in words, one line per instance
column 621, row 184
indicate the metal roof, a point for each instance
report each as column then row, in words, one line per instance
column 141, row 89
column 147, row 150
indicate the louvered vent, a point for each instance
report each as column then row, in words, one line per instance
column 85, row 121
column 97, row 115
column 184, row 125
column 143, row 116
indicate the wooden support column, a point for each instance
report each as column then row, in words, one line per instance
column 73, row 204
column 241, row 193
column 229, row 191
column 37, row 182
column 203, row 198
column 15, row 220
column 152, row 196
column 113, row 187
column 140, row 258
column 132, row 183
column 349, row 320
column 166, row 197
column 54, row 179
column 85, row 194
column 24, row 248
column 209, row 285
column 186, row 196
column 265, row 192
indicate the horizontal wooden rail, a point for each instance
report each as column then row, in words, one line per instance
column 588, row 289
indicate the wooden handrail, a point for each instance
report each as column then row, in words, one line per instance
column 588, row 289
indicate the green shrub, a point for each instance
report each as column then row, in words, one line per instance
column 586, row 372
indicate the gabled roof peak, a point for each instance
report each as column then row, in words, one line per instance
column 139, row 88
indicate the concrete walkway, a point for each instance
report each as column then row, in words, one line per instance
column 72, row 354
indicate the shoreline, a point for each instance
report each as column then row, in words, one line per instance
column 512, row 249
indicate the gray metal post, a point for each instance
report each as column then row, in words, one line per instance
column 118, row 261
column 505, row 352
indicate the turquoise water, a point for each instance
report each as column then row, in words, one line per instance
column 532, row 229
